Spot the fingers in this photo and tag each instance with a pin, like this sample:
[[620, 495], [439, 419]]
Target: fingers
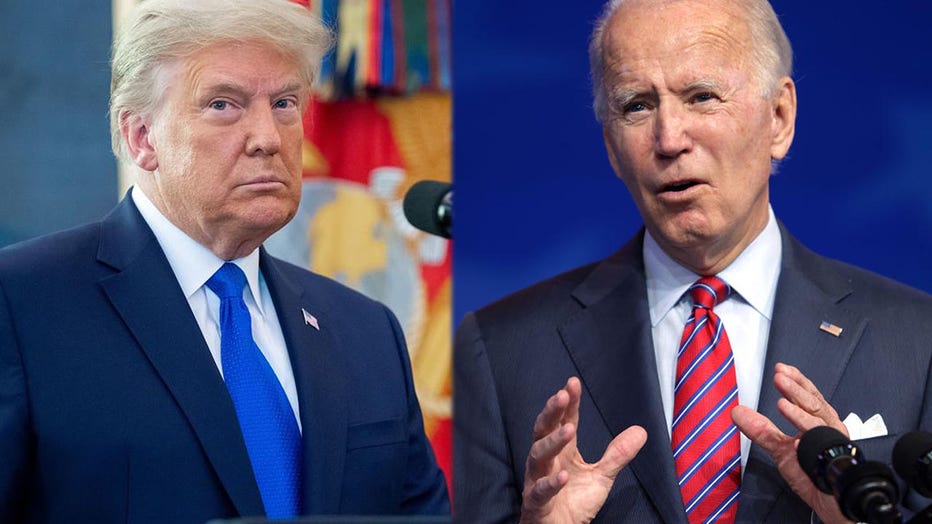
[[803, 403], [759, 429], [805, 407], [799, 390], [799, 417], [551, 416], [622, 450], [561, 407], [554, 428], [540, 459], [574, 389], [543, 490]]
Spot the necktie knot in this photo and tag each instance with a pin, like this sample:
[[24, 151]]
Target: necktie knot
[[228, 281], [708, 292]]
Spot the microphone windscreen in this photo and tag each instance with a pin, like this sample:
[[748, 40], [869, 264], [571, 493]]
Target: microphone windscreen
[[814, 442], [421, 205], [907, 454]]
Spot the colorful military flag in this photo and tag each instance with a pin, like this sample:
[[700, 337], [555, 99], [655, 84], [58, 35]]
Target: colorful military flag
[[381, 122]]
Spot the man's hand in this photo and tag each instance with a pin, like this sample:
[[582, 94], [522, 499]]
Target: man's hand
[[804, 406], [559, 486]]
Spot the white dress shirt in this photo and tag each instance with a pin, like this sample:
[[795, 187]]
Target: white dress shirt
[[746, 314], [193, 265]]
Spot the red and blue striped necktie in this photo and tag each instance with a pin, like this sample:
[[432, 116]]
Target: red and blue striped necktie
[[706, 443]]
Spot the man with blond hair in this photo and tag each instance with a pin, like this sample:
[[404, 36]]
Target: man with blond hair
[[160, 366], [670, 381]]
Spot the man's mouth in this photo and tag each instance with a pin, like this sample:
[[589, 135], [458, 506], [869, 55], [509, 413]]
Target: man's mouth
[[262, 180], [679, 186]]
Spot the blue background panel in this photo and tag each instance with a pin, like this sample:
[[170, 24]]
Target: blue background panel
[[56, 169], [535, 194]]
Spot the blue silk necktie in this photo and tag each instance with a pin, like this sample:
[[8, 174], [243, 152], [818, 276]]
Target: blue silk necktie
[[265, 416]]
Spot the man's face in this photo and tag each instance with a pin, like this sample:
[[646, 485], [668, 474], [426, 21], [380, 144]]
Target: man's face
[[689, 130], [227, 146]]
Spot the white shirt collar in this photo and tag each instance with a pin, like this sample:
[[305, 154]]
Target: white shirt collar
[[753, 275], [192, 263]]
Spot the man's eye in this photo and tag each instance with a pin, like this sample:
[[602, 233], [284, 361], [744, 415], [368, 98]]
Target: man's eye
[[219, 105], [284, 103], [635, 107], [704, 97]]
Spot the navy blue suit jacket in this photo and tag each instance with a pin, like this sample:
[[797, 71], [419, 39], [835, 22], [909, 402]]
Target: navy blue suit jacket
[[112, 409], [593, 322]]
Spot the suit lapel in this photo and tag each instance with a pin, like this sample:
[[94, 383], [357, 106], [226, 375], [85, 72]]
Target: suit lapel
[[146, 295], [806, 296], [320, 380], [611, 344]]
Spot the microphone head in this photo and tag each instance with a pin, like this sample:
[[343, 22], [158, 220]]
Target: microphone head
[[814, 442], [423, 205], [911, 460], [811, 452], [866, 491]]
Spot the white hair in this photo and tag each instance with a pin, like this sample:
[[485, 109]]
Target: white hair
[[770, 51], [163, 31]]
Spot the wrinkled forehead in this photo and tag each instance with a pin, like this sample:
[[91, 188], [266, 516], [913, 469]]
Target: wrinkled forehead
[[253, 63], [232, 68], [676, 30]]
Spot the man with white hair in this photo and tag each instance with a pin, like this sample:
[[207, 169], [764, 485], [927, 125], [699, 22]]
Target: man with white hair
[[686, 364], [160, 366]]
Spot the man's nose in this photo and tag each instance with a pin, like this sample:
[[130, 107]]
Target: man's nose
[[263, 136], [671, 130]]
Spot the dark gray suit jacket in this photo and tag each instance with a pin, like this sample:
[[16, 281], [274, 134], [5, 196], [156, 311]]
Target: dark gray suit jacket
[[593, 322]]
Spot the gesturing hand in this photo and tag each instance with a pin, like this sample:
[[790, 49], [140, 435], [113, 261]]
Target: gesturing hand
[[804, 406], [559, 486]]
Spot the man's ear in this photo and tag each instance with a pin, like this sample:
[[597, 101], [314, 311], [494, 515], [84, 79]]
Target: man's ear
[[137, 135], [784, 118]]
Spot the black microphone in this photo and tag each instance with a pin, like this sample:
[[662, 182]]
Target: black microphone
[[912, 459], [865, 490], [428, 206]]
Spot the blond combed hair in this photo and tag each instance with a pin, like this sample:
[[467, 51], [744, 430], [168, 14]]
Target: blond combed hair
[[161, 32]]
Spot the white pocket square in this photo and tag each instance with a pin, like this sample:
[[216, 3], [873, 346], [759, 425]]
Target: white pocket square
[[870, 428]]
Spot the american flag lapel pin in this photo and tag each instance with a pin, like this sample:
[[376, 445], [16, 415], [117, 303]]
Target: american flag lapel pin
[[310, 320], [830, 328]]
